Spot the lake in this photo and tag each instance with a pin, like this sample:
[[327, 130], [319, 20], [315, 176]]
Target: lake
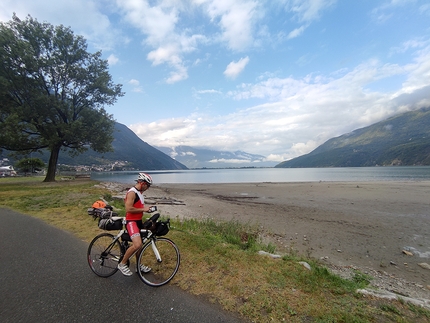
[[258, 175]]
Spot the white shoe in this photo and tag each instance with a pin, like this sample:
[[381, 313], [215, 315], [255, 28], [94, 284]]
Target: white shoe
[[144, 269], [124, 269]]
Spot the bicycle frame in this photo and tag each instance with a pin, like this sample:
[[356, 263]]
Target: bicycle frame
[[145, 240]]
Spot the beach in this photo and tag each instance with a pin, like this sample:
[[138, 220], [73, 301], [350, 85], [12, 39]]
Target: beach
[[380, 228]]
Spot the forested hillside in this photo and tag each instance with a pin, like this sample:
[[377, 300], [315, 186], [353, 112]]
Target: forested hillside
[[127, 147], [400, 140]]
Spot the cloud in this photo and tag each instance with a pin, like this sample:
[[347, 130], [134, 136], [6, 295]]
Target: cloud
[[299, 113], [112, 60], [296, 32], [385, 11], [136, 86], [168, 34], [307, 10], [410, 45], [232, 161], [304, 12], [163, 26], [236, 20], [208, 92], [235, 68], [425, 9], [159, 25]]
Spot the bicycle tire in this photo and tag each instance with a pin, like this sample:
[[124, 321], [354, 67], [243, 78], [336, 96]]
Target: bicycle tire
[[161, 272], [103, 256]]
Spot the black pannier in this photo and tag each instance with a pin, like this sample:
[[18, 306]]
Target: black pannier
[[110, 224], [162, 228]]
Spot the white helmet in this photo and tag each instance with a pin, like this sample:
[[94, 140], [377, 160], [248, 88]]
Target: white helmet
[[144, 177]]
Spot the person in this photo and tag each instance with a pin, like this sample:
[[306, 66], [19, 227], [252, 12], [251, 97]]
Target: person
[[134, 208]]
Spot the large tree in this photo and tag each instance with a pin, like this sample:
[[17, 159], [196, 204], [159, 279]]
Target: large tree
[[52, 92]]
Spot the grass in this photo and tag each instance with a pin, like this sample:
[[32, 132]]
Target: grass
[[220, 262]]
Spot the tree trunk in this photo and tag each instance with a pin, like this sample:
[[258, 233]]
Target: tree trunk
[[52, 166]]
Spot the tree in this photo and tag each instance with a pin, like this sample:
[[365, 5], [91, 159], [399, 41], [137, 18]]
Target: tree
[[52, 92], [29, 165]]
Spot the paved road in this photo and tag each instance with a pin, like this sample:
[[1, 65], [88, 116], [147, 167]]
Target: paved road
[[44, 277]]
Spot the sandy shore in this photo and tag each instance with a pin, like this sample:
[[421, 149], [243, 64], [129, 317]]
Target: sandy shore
[[366, 225]]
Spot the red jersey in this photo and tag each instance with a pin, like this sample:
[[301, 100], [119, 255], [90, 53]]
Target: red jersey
[[138, 203]]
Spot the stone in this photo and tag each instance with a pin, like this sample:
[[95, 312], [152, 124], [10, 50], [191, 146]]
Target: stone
[[264, 253], [305, 264], [424, 265]]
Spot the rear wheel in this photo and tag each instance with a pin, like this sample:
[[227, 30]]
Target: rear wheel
[[104, 255], [163, 269]]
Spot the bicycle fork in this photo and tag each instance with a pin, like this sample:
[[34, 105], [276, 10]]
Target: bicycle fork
[[155, 250]]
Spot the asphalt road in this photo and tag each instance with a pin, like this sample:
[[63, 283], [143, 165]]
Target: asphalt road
[[44, 277]]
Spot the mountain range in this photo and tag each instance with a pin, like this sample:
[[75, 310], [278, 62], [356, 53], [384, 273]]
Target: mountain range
[[401, 140], [207, 158], [131, 152]]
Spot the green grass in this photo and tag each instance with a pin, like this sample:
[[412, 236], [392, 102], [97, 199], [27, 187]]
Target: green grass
[[219, 261]]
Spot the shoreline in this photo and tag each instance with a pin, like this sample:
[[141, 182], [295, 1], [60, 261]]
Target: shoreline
[[381, 228]]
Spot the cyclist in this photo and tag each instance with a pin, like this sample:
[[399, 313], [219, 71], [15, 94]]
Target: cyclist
[[134, 207]]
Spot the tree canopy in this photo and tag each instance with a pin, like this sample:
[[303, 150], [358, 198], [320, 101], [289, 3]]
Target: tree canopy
[[29, 165], [53, 92]]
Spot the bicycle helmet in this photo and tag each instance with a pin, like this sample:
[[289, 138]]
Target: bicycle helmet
[[145, 178]]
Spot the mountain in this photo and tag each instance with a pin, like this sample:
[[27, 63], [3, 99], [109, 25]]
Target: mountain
[[400, 140], [206, 158], [127, 147]]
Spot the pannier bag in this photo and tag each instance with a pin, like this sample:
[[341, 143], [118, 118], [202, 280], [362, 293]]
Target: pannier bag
[[101, 213], [159, 228], [162, 228], [110, 224]]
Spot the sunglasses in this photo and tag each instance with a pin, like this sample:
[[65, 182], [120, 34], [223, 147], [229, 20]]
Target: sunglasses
[[147, 184]]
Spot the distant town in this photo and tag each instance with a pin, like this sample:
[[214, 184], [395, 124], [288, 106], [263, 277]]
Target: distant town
[[6, 169]]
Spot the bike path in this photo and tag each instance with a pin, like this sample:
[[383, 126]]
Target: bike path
[[44, 277]]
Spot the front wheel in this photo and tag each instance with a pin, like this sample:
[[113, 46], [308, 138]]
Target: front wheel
[[162, 256], [104, 255]]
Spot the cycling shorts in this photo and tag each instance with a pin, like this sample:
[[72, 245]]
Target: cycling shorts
[[133, 228]]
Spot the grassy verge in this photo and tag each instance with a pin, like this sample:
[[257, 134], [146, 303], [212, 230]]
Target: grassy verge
[[220, 262]]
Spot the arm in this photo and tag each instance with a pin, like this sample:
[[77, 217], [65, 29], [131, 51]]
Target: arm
[[129, 201]]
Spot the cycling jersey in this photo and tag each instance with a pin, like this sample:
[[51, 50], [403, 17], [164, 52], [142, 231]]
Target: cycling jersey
[[138, 203]]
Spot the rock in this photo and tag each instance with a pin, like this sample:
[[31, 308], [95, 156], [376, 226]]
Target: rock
[[305, 264], [424, 265], [395, 296], [264, 253], [408, 253]]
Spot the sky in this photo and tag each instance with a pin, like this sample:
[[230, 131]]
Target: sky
[[276, 78]]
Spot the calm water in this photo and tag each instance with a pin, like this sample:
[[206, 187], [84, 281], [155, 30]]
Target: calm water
[[258, 175]]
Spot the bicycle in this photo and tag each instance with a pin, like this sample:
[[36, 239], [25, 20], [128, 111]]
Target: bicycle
[[159, 253]]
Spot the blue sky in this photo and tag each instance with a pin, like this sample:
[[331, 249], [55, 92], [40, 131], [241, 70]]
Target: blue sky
[[270, 77]]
